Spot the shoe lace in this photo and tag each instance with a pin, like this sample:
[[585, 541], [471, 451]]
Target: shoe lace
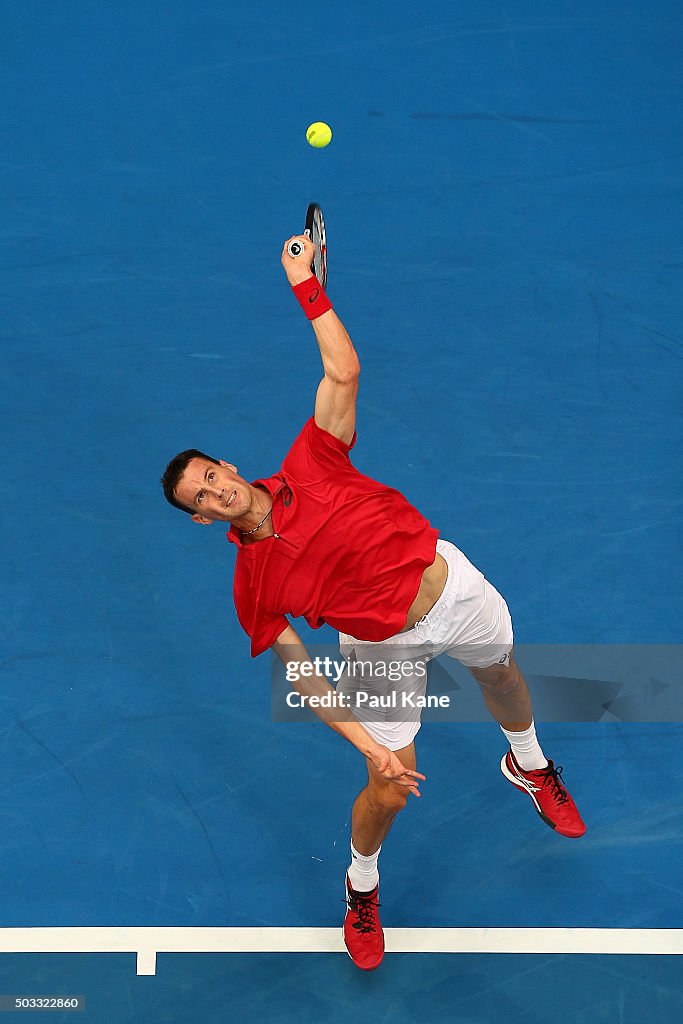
[[553, 778], [365, 908]]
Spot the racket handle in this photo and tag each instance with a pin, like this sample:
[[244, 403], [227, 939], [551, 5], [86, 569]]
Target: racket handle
[[295, 248]]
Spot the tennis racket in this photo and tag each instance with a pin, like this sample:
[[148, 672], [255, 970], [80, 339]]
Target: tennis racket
[[315, 229]]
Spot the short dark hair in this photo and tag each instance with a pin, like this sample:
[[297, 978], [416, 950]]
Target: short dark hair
[[174, 472]]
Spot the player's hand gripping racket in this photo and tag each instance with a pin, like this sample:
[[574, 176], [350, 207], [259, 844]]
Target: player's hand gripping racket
[[315, 230]]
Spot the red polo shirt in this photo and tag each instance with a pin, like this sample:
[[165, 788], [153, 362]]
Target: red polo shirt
[[347, 550]]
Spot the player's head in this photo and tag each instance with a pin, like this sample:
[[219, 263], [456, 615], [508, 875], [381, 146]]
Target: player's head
[[206, 488]]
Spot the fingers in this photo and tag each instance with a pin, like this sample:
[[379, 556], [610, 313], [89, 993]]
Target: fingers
[[390, 768], [411, 781], [407, 778]]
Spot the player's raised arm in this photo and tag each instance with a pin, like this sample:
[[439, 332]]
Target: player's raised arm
[[292, 653], [335, 405]]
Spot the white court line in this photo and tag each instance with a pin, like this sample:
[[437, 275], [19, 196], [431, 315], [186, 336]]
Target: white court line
[[147, 942]]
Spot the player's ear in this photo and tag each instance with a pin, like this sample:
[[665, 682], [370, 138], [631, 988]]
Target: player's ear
[[228, 465], [196, 518]]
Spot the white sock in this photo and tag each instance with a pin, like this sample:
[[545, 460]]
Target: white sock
[[363, 873], [526, 749]]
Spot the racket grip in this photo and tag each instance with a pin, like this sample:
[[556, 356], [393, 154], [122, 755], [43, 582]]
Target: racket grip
[[295, 248]]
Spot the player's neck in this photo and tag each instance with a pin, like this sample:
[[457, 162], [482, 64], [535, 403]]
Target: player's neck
[[257, 523]]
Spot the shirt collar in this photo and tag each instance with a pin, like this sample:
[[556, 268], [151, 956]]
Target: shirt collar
[[273, 484]]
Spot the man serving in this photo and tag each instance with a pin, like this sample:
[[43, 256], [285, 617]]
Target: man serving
[[320, 540]]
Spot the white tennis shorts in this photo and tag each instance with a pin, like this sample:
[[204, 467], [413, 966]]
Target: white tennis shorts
[[470, 622]]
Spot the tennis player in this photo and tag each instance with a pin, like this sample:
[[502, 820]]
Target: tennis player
[[320, 540]]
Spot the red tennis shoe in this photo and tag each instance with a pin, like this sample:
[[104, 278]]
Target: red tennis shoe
[[551, 799], [363, 933]]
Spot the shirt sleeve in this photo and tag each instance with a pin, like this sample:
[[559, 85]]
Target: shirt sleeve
[[316, 452], [261, 626]]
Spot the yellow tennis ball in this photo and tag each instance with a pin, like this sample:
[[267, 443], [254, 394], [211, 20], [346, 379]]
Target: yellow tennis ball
[[318, 134]]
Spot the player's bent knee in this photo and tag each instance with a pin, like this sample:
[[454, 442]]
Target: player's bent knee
[[390, 798], [500, 679], [395, 802]]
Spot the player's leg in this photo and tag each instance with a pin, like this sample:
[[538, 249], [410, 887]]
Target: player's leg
[[477, 631], [388, 721], [506, 695], [373, 669], [377, 805], [373, 813], [525, 765]]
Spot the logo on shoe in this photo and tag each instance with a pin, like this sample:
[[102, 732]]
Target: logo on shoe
[[525, 782]]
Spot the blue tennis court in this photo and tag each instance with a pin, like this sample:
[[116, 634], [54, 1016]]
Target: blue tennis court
[[503, 205]]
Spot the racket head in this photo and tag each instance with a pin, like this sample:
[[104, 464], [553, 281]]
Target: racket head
[[315, 229]]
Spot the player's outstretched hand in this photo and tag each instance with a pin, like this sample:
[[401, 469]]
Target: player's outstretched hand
[[389, 766], [298, 268]]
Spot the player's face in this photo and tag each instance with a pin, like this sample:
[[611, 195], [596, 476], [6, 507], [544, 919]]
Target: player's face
[[213, 492]]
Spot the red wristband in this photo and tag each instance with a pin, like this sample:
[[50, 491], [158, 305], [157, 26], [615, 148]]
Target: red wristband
[[312, 298]]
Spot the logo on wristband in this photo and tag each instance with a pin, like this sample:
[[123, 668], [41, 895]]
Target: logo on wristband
[[314, 296]]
